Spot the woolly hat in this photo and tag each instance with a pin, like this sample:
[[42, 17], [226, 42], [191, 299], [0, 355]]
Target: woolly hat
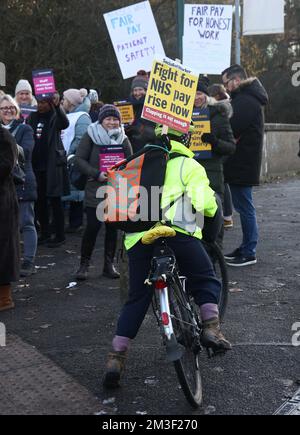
[[203, 84], [23, 85], [108, 110], [140, 81], [75, 96]]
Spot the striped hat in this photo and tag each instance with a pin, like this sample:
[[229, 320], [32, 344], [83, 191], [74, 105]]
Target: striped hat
[[109, 110]]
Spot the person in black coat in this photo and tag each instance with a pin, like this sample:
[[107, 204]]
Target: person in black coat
[[9, 220], [141, 131], [50, 167], [242, 170], [27, 193]]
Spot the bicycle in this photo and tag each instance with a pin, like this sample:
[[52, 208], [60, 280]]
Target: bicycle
[[177, 315]]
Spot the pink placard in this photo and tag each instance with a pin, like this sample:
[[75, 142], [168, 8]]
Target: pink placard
[[44, 83], [110, 156]]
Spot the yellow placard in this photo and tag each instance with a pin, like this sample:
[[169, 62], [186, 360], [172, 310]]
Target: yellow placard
[[170, 95], [202, 125], [127, 113]]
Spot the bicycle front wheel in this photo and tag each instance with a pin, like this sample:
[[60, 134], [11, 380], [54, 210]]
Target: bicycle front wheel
[[187, 367]]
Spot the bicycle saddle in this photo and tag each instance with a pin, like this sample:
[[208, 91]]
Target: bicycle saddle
[[156, 233]]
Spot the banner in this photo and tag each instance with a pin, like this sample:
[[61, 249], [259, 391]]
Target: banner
[[126, 110], [207, 37], [171, 94], [201, 121], [135, 37], [263, 17], [44, 84]]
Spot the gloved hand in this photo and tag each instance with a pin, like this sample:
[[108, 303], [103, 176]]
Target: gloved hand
[[102, 177], [209, 138]]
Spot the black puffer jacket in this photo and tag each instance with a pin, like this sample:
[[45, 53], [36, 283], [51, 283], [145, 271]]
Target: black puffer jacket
[[220, 114], [243, 168]]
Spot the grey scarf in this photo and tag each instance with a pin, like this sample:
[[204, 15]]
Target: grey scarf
[[100, 136]]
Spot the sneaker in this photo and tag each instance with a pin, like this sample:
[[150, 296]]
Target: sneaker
[[241, 261], [233, 255], [212, 337], [114, 369], [27, 269], [228, 223], [56, 243]]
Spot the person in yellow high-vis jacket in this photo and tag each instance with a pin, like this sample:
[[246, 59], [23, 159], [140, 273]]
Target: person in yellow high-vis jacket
[[186, 189]]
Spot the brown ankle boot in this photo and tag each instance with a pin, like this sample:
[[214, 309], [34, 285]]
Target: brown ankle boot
[[6, 302], [212, 336], [114, 369]]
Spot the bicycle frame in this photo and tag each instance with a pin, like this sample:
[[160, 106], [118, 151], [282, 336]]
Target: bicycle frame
[[163, 269]]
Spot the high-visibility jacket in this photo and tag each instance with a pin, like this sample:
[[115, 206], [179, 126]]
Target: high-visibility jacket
[[186, 189]]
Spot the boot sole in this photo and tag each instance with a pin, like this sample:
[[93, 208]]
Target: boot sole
[[7, 307]]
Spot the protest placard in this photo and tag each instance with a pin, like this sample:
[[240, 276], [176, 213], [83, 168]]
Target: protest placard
[[126, 110], [44, 83], [135, 37], [207, 37], [27, 110], [171, 94], [263, 17], [201, 121], [110, 156]]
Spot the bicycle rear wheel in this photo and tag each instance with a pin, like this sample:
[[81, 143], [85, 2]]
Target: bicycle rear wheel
[[187, 367], [220, 268]]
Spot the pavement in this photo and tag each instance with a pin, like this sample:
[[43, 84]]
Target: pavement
[[58, 336]]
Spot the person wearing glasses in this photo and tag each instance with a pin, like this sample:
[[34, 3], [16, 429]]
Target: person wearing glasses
[[242, 170], [27, 193]]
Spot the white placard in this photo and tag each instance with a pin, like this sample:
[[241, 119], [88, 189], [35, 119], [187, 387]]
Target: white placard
[[263, 17], [135, 37], [207, 37]]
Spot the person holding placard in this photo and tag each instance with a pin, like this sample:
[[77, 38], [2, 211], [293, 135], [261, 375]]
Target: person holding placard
[[141, 131], [49, 163], [104, 145], [221, 137]]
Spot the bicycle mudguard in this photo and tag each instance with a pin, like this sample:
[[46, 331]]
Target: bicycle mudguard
[[174, 350]]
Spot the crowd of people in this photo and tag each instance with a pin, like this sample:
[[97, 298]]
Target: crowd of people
[[75, 128]]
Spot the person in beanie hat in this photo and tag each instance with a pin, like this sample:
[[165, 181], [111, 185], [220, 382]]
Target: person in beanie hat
[[23, 94], [109, 111], [106, 132], [141, 131]]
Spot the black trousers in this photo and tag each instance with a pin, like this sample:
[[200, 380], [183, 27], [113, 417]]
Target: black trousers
[[44, 206], [93, 227]]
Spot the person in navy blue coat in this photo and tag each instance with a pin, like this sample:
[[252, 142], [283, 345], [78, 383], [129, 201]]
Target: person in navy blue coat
[[27, 192]]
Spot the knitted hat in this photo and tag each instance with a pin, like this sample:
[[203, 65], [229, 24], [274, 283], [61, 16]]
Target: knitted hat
[[140, 81], [203, 84], [23, 85], [75, 96], [109, 110]]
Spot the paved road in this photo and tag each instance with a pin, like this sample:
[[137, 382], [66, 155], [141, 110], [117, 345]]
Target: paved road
[[72, 329]]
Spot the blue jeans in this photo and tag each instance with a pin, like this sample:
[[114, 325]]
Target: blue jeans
[[243, 203], [28, 230], [193, 263]]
